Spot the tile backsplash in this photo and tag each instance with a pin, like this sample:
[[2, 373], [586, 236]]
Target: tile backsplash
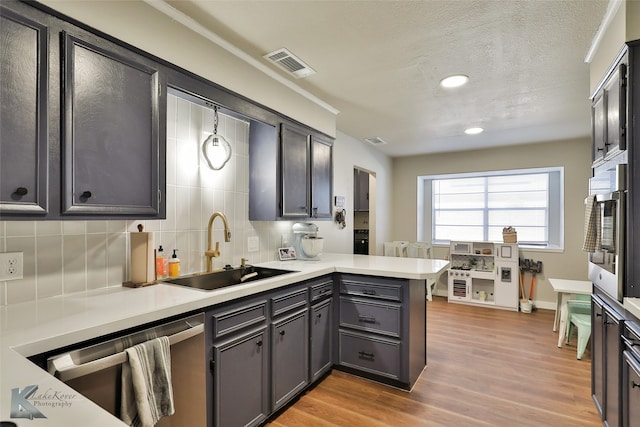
[[62, 257]]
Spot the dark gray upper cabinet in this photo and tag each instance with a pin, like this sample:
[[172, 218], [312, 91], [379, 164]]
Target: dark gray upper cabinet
[[289, 178], [82, 121], [111, 130], [609, 113], [361, 182], [24, 66], [294, 144], [321, 178]]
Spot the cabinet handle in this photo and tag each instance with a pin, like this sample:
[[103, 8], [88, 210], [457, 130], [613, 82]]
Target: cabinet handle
[[282, 333], [259, 343], [21, 191], [366, 319], [86, 195], [598, 314], [365, 354], [319, 315], [634, 384], [369, 292]]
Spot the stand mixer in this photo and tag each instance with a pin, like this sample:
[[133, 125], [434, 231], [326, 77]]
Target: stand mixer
[[307, 243]]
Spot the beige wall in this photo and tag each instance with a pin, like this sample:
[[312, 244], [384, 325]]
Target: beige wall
[[573, 155], [633, 19], [624, 27], [348, 153], [142, 26]]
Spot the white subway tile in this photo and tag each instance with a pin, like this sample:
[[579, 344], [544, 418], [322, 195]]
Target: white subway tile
[[20, 229], [74, 263], [49, 266]]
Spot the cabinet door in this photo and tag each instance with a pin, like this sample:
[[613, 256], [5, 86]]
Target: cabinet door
[[361, 180], [112, 131], [240, 380], [597, 353], [321, 182], [615, 90], [613, 325], [631, 391], [321, 343], [23, 115], [295, 166], [290, 357], [598, 122]]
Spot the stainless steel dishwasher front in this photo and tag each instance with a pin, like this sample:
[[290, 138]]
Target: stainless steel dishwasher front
[[95, 371]]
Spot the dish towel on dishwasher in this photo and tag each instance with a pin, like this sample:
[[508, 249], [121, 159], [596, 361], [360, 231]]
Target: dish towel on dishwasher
[[591, 225], [147, 394]]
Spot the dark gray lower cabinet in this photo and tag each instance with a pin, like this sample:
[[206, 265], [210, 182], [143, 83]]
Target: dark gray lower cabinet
[[382, 328], [631, 390], [607, 327], [631, 375], [290, 357], [240, 379], [266, 349], [321, 338], [238, 338]]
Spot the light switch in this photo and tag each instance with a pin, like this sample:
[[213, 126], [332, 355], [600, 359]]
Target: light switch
[[253, 244]]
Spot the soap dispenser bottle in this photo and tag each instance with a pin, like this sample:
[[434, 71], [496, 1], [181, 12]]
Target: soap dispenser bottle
[[162, 264], [174, 265]]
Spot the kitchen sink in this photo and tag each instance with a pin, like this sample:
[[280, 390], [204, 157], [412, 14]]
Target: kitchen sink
[[224, 278]]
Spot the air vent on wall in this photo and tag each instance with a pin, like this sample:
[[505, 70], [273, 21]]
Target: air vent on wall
[[375, 140], [290, 63]]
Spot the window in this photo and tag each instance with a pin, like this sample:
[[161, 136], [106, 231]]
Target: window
[[477, 206]]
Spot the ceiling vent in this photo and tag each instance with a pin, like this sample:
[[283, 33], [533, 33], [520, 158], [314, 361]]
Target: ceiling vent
[[290, 63], [375, 140]]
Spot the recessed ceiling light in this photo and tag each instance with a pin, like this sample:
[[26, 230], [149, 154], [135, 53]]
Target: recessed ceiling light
[[454, 81], [473, 131]]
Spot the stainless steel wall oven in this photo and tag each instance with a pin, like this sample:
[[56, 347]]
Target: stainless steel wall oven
[[607, 260]]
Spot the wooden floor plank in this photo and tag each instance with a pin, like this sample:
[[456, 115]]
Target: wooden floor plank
[[485, 367]]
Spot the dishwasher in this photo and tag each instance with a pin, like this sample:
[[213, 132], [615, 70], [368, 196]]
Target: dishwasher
[[95, 371]]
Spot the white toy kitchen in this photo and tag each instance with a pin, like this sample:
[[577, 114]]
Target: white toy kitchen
[[484, 273]]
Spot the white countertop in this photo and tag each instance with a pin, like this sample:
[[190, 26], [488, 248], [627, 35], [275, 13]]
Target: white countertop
[[39, 326], [632, 305]]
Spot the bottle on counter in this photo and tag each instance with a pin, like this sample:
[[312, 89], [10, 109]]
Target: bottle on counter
[[174, 265], [162, 264]]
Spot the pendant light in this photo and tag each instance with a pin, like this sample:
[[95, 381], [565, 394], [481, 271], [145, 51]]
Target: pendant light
[[216, 149]]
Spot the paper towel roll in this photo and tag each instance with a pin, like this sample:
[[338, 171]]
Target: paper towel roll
[[142, 258]]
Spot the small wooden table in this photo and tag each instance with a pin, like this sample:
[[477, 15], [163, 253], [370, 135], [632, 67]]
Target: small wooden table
[[566, 286]]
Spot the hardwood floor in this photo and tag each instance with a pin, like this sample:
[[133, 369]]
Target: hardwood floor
[[485, 367]]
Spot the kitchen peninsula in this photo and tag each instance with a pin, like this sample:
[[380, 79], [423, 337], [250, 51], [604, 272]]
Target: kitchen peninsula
[[41, 326]]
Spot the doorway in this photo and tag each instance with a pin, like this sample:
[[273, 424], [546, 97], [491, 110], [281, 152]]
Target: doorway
[[363, 212]]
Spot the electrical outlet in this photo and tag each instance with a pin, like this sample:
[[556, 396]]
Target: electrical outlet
[[10, 266]]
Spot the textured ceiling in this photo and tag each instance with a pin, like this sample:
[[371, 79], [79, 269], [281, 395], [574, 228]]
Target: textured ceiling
[[380, 63]]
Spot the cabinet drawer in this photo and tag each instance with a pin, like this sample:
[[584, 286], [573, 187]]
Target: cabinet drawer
[[321, 290], [631, 388], [372, 316], [238, 317], [388, 289], [631, 338], [290, 300], [371, 354]]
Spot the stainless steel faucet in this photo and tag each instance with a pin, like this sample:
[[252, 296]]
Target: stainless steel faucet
[[211, 253]]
